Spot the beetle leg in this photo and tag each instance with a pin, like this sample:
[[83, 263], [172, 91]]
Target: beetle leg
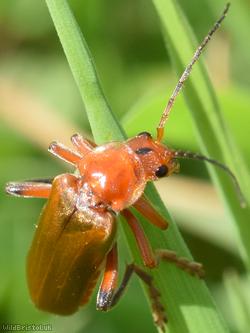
[[151, 259], [108, 295], [109, 281], [146, 209], [82, 145], [64, 153], [145, 248], [187, 265], [29, 189]]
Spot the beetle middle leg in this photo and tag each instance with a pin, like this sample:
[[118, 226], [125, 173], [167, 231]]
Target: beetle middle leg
[[109, 294], [151, 259]]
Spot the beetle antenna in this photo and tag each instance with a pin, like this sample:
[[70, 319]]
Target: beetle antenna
[[195, 156], [186, 73]]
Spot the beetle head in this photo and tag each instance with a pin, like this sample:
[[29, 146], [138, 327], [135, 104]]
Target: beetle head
[[157, 159]]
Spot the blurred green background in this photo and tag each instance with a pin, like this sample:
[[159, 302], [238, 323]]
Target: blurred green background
[[39, 103]]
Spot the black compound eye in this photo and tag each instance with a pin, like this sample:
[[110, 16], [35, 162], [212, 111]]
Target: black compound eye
[[146, 134], [143, 151], [161, 171]]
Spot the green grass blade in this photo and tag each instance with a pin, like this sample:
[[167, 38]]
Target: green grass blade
[[238, 297], [84, 72], [213, 136], [189, 305]]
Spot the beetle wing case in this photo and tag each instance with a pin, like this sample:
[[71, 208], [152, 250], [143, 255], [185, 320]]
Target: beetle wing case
[[68, 250]]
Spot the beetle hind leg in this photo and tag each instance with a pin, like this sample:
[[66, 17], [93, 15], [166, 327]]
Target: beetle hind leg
[[30, 189], [109, 294]]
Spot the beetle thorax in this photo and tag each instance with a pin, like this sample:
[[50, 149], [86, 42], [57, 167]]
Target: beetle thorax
[[113, 176]]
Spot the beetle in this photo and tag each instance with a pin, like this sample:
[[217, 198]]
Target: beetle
[[75, 240]]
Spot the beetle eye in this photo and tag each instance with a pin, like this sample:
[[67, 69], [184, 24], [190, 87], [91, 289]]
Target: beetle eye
[[146, 134], [161, 171], [143, 151]]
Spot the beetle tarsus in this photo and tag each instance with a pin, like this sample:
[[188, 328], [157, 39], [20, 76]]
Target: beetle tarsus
[[187, 265]]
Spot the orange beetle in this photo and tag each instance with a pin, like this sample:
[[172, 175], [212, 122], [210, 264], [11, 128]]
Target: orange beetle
[[76, 235]]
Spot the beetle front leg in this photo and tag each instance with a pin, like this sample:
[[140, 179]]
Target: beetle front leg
[[30, 189], [151, 259], [82, 145], [147, 210], [187, 265], [64, 153], [109, 295]]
